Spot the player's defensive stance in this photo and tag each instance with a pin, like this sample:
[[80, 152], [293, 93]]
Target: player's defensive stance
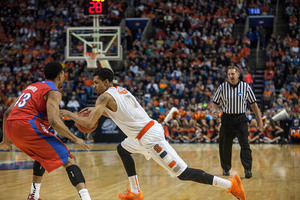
[[145, 136], [26, 125]]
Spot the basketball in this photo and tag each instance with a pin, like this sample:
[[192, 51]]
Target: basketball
[[82, 128]]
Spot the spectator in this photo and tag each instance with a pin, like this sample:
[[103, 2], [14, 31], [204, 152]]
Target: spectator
[[289, 10], [265, 9], [153, 87], [254, 134], [248, 79], [73, 104], [252, 35], [262, 37], [273, 132], [269, 73]]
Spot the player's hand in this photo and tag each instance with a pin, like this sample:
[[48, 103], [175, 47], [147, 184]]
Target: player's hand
[[81, 143], [64, 113], [87, 110], [6, 146]]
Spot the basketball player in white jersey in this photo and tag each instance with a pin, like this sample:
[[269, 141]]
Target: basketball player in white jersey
[[145, 136]]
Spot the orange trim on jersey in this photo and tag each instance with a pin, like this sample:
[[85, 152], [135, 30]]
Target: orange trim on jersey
[[172, 164], [145, 129]]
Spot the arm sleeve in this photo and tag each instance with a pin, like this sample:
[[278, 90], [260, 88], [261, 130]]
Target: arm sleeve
[[251, 97], [217, 96]]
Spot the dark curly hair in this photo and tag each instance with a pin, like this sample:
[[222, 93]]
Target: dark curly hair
[[52, 70], [104, 73]]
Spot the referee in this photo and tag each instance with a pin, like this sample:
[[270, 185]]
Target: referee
[[232, 97]]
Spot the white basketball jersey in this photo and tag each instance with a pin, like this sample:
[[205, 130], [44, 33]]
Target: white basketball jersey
[[130, 117]]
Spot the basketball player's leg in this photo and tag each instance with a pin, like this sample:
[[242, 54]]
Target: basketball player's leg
[[125, 149], [20, 133], [49, 153], [162, 152], [38, 172], [166, 156], [76, 177], [127, 160]]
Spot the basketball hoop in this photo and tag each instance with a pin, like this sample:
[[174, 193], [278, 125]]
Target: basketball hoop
[[91, 59]]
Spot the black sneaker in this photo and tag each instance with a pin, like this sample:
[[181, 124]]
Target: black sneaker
[[248, 173], [226, 173]]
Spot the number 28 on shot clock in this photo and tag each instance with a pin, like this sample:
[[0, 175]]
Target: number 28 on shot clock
[[95, 7]]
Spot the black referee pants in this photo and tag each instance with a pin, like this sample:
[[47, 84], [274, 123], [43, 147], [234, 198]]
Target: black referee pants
[[234, 125]]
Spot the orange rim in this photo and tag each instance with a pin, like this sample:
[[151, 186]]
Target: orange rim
[[91, 54]]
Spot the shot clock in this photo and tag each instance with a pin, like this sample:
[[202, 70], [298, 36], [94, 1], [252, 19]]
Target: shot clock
[[95, 7]]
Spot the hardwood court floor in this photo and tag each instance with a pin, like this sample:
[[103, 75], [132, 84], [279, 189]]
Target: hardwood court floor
[[276, 175]]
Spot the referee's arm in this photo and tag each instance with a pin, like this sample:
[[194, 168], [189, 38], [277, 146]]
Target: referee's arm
[[216, 102], [252, 100], [257, 113], [215, 110]]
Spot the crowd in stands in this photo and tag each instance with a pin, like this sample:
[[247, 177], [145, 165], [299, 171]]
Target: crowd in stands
[[282, 74], [180, 65], [262, 5], [32, 33], [189, 52]]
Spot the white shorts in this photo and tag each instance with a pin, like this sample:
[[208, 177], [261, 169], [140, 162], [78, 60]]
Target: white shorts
[[153, 145]]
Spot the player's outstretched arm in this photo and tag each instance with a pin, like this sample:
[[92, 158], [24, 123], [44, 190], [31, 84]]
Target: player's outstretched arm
[[95, 113], [53, 99]]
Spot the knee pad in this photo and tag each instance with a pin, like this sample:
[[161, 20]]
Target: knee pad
[[196, 175], [75, 175], [38, 169], [122, 152]]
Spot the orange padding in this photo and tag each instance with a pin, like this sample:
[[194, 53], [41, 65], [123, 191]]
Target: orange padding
[[172, 164], [145, 129]]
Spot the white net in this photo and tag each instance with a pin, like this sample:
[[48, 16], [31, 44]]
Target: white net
[[91, 59]]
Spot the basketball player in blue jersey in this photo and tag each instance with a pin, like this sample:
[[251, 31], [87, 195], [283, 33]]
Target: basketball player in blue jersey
[[145, 136]]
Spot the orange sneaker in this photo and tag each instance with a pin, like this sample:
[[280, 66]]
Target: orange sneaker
[[237, 189], [128, 195]]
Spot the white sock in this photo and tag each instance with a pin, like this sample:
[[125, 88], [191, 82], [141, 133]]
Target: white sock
[[220, 182], [84, 194], [35, 190], [134, 184]]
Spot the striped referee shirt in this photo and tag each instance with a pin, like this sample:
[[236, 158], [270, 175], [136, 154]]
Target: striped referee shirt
[[234, 97]]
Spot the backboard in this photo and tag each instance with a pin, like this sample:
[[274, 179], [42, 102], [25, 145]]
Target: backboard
[[106, 41]]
